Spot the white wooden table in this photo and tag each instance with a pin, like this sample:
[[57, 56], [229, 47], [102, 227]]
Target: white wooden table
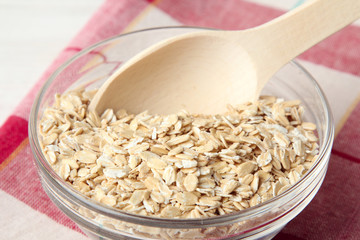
[[32, 33]]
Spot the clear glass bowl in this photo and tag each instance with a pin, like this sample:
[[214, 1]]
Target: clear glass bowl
[[92, 66]]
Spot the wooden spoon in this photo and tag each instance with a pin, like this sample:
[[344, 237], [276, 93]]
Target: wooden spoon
[[204, 71]]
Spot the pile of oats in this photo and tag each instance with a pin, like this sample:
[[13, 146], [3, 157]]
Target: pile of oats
[[181, 165]]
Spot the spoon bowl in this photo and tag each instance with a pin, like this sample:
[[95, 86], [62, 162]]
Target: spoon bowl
[[169, 74]]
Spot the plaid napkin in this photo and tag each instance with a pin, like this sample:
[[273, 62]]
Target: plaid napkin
[[27, 213]]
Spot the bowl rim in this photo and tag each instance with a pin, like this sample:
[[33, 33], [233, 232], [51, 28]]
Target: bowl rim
[[76, 197]]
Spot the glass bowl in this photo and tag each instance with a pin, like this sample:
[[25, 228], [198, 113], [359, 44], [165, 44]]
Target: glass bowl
[[92, 66]]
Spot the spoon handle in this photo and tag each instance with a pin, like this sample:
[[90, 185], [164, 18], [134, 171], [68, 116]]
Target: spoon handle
[[296, 31]]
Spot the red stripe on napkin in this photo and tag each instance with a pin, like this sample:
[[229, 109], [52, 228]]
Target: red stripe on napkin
[[341, 51], [12, 133], [111, 19], [285, 236], [334, 212], [234, 14]]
